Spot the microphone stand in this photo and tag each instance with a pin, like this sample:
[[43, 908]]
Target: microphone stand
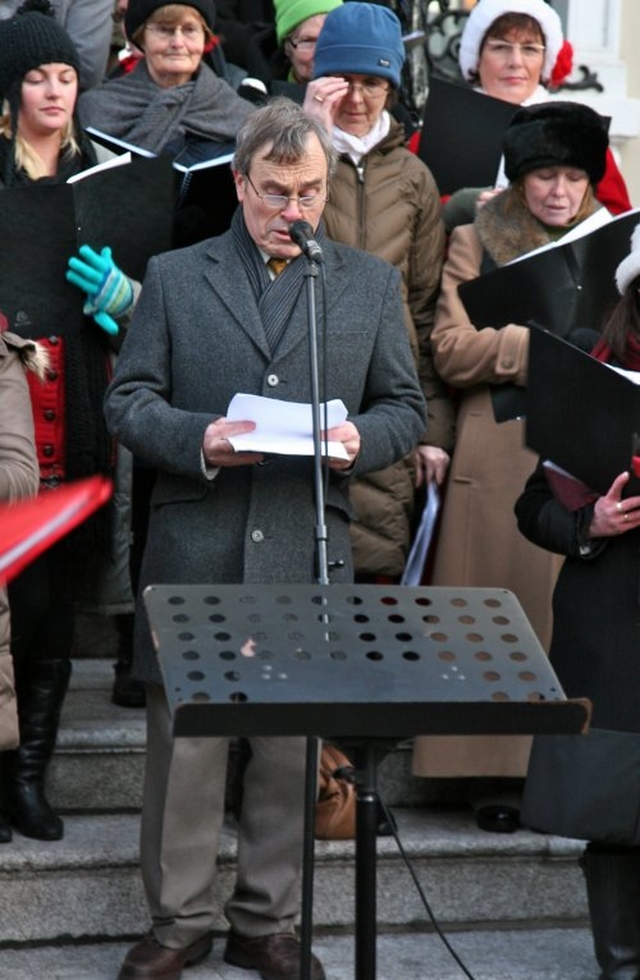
[[322, 576]]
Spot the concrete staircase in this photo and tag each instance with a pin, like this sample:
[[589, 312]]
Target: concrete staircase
[[87, 886]]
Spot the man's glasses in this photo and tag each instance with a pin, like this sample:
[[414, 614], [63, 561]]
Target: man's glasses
[[505, 49], [190, 32], [278, 202]]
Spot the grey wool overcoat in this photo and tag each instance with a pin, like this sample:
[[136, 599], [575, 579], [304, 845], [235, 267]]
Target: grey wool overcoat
[[196, 339]]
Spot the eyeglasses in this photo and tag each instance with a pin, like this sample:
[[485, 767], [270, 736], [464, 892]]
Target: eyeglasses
[[280, 201], [371, 88], [190, 32], [304, 44], [505, 49]]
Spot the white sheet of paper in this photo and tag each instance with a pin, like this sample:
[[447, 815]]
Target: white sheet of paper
[[414, 568], [283, 427]]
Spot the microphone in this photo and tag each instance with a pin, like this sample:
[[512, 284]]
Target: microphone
[[302, 234]]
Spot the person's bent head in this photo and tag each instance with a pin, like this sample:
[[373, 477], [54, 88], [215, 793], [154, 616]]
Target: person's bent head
[[172, 36], [509, 47], [554, 156], [39, 69], [362, 43], [298, 26], [281, 168]]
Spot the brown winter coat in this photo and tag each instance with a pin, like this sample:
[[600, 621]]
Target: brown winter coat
[[19, 477], [390, 206], [479, 542]]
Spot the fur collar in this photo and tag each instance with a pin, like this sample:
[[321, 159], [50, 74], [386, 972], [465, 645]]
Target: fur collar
[[507, 229]]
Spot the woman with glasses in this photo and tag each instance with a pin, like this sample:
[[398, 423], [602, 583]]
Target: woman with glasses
[[171, 95], [383, 199], [515, 50], [555, 155]]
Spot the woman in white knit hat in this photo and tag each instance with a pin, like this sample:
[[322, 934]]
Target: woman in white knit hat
[[515, 50], [589, 787]]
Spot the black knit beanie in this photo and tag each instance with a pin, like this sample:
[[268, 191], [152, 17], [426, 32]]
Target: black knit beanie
[[30, 38], [556, 134], [139, 11]]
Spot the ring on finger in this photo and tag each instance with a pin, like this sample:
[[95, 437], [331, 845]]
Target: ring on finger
[[619, 506], [318, 98]]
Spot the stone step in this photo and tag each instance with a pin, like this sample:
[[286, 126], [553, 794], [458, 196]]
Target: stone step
[[99, 760], [521, 954], [88, 885]]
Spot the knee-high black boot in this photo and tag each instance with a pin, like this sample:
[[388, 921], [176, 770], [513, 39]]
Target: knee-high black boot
[[613, 892], [5, 826], [39, 709]]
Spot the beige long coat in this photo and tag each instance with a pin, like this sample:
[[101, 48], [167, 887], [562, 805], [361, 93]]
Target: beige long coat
[[479, 543], [19, 477]]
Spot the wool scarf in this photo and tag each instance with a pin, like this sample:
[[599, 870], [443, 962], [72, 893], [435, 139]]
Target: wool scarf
[[276, 298]]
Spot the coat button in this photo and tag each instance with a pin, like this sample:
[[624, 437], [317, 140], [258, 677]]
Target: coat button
[[53, 340], [49, 414], [273, 380], [48, 450], [52, 375], [507, 362], [257, 536]]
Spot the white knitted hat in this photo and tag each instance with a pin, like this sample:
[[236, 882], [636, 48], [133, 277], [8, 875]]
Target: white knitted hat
[[482, 17], [629, 268]]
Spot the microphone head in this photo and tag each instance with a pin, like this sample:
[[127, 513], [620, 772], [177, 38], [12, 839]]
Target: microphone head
[[300, 231]]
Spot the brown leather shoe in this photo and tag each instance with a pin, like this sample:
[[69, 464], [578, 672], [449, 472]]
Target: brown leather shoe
[[148, 960], [275, 957]]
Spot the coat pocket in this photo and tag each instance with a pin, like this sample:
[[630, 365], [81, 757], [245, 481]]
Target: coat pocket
[[585, 786]]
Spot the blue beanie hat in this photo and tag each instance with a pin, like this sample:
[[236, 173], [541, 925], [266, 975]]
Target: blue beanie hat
[[360, 39]]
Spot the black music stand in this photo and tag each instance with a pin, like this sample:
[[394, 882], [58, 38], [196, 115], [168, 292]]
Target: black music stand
[[368, 664]]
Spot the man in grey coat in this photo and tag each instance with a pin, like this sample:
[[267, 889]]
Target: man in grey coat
[[214, 320]]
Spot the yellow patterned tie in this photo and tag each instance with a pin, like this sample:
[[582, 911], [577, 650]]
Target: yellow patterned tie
[[277, 265]]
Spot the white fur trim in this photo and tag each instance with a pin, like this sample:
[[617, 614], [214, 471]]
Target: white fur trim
[[629, 268], [482, 17]]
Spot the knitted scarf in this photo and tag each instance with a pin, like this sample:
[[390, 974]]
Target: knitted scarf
[[137, 110], [276, 298]]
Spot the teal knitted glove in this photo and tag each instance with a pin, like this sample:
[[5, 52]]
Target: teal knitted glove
[[109, 291]]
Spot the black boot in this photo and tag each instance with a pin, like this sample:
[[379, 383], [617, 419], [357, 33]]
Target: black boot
[[5, 826], [613, 892], [127, 691], [39, 711]]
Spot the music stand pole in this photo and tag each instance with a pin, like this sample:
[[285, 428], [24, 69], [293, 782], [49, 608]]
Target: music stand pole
[[322, 573]]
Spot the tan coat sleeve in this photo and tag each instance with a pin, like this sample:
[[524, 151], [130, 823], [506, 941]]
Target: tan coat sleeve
[[463, 355]]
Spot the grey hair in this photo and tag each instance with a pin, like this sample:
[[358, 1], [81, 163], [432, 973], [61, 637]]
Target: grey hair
[[285, 127]]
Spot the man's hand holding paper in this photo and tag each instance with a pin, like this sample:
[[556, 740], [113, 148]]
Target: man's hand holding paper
[[286, 428]]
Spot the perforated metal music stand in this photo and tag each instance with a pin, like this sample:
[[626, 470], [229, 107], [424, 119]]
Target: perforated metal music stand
[[359, 662]]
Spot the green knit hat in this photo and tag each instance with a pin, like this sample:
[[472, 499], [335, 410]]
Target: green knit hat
[[290, 13]]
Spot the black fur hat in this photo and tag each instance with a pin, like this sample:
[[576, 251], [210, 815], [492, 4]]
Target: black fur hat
[[556, 134], [30, 38]]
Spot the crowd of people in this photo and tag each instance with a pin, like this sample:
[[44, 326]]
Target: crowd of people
[[307, 96]]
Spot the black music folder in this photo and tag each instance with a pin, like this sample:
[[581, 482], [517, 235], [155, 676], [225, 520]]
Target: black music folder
[[461, 138], [126, 207], [204, 195], [561, 287], [581, 414], [565, 287]]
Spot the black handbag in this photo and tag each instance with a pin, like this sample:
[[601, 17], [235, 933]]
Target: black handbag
[[585, 786]]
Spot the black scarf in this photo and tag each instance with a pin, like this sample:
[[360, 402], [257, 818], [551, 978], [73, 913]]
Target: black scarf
[[276, 298]]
